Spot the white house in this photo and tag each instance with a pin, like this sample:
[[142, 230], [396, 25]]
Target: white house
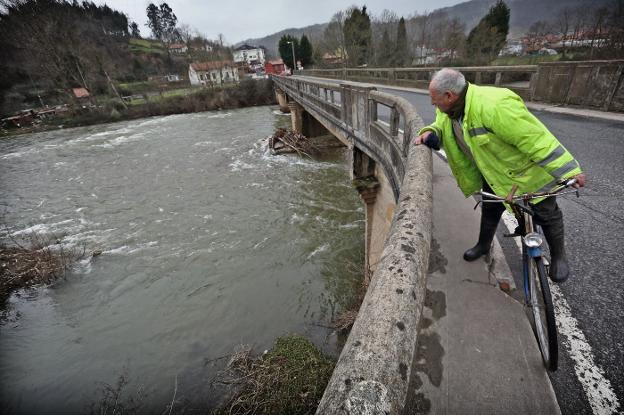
[[213, 73], [178, 48], [251, 55]]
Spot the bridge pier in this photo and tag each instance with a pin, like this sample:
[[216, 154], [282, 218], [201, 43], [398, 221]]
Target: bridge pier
[[296, 116], [367, 186], [376, 193], [282, 100]]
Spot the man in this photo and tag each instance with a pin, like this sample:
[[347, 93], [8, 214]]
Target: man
[[492, 142]]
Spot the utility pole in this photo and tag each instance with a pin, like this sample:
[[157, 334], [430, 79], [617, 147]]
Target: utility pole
[[293, 53]]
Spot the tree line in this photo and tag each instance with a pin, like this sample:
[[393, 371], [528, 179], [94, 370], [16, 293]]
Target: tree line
[[356, 38], [302, 49], [359, 39], [597, 33]]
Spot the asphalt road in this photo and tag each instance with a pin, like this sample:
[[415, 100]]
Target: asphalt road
[[594, 226]]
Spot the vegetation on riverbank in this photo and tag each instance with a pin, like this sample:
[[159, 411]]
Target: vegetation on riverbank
[[246, 94], [290, 378], [41, 260]]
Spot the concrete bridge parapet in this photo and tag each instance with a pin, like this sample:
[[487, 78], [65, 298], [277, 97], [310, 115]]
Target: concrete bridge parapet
[[394, 180]]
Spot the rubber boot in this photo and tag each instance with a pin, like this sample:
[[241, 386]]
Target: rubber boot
[[559, 270], [489, 223]]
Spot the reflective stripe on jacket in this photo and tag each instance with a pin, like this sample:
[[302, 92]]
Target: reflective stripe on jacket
[[509, 145]]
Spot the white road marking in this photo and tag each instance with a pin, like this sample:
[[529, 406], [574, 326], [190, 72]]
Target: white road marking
[[600, 395]]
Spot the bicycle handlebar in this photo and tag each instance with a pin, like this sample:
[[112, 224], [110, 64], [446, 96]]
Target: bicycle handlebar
[[562, 185]]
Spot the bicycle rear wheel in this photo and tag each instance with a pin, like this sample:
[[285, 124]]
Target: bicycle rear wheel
[[543, 314]]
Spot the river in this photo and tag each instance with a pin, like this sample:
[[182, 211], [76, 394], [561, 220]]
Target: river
[[207, 243]]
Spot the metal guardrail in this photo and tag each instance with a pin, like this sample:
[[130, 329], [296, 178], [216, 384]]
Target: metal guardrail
[[374, 369]]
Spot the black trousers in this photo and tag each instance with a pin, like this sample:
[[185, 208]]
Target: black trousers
[[547, 212]]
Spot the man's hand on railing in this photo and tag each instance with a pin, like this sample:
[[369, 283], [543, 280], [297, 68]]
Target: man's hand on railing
[[428, 138], [422, 138]]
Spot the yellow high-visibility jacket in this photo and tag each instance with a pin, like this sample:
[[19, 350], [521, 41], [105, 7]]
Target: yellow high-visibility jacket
[[508, 144]]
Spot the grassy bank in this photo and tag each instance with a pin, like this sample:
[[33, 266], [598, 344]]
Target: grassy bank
[[246, 94], [290, 378]]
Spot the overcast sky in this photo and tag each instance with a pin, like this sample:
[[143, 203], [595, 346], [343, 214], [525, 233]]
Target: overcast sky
[[239, 20]]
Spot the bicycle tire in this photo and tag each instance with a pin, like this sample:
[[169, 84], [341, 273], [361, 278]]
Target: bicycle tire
[[542, 311]]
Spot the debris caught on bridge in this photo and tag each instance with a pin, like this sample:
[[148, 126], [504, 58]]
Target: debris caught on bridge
[[287, 141]]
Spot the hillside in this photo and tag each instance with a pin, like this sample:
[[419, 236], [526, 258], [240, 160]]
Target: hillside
[[523, 14]]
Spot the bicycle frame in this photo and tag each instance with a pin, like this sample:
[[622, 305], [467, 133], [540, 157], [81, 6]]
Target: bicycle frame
[[527, 254], [536, 288]]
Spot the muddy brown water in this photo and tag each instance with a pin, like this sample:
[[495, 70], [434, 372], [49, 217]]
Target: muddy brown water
[[208, 243]]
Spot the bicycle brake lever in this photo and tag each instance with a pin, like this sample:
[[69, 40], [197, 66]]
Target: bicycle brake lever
[[478, 202]]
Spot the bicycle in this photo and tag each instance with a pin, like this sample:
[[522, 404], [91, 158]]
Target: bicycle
[[534, 267]]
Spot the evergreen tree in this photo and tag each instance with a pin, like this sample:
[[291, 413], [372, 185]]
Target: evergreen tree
[[134, 30], [305, 51], [153, 21], [168, 21], [385, 56], [162, 21], [487, 38], [401, 54], [358, 36], [286, 49]]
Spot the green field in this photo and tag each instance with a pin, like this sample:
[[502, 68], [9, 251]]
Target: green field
[[147, 46]]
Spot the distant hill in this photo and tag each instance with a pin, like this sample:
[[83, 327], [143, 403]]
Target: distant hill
[[523, 14]]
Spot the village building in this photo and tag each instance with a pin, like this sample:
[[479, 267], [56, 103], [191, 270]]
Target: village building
[[213, 73], [331, 59], [276, 67], [249, 55], [178, 48], [201, 45], [81, 96]]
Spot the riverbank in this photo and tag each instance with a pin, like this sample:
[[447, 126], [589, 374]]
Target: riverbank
[[248, 93]]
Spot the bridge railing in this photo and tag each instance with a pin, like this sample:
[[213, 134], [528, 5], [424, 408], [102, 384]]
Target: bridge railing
[[374, 370], [521, 78]]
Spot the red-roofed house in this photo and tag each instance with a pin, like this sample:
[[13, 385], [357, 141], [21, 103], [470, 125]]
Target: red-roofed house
[[275, 67], [81, 93], [81, 96], [212, 73]]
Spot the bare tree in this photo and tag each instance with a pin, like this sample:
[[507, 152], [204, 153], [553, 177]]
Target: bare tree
[[535, 35], [598, 21], [384, 28], [454, 38], [579, 19], [333, 36], [186, 33], [564, 21]]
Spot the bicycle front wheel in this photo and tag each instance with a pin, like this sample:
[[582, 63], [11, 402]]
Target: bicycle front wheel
[[542, 312]]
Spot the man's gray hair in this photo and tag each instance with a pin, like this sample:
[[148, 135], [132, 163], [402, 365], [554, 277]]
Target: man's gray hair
[[447, 79]]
